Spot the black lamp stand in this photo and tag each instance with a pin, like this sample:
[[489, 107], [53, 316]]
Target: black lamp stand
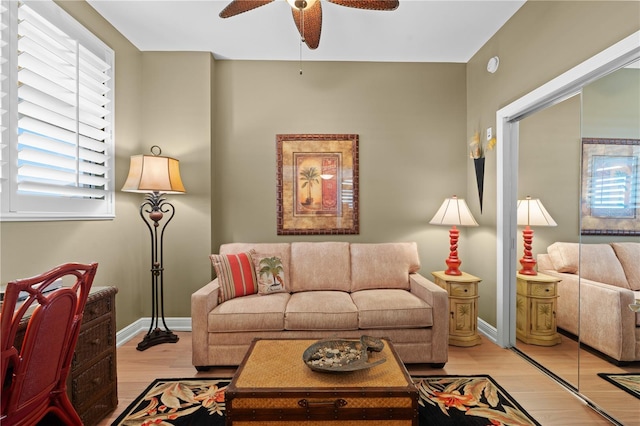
[[156, 206]]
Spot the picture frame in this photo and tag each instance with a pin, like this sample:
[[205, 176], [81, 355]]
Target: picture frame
[[317, 184], [610, 199]]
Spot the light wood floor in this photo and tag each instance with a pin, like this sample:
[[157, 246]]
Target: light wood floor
[[543, 398], [563, 359]]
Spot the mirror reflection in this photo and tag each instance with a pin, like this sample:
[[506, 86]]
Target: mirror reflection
[[581, 158], [610, 264], [548, 166]]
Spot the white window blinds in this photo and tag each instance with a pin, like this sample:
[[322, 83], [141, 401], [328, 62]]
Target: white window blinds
[[57, 86]]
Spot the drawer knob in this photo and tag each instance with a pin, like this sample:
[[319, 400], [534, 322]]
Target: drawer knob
[[95, 342], [97, 381]]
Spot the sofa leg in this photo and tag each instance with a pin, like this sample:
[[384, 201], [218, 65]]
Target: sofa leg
[[202, 368], [437, 365]]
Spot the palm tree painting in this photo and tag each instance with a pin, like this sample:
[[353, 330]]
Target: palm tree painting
[[271, 267], [309, 176]]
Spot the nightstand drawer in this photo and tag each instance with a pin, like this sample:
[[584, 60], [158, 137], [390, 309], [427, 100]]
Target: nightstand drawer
[[542, 289], [463, 290]]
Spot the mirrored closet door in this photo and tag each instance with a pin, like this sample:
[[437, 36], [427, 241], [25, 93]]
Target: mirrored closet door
[[575, 143]]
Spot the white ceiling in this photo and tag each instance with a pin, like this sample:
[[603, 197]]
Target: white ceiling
[[418, 31]]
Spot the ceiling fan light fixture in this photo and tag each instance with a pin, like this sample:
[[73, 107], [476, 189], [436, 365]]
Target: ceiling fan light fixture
[[301, 4]]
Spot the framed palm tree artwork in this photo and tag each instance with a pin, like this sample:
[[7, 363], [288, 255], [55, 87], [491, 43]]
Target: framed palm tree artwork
[[610, 201], [317, 184]]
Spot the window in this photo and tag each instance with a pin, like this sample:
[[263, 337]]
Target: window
[[56, 119]]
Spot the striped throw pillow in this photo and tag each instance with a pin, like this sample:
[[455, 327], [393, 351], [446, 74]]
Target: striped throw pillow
[[236, 275]]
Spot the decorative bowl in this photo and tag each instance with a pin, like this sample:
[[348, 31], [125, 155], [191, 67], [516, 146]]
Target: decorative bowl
[[336, 355], [635, 307]]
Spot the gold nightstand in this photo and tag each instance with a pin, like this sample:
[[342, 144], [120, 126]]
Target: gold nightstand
[[536, 309], [463, 307]]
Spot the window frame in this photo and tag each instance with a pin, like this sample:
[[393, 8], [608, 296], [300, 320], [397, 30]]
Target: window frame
[[15, 206]]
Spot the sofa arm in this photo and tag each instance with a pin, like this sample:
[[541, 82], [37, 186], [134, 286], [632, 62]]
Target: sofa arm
[[606, 322], [202, 302], [438, 298]]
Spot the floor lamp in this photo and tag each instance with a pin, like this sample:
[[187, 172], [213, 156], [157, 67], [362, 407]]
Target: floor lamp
[[155, 176], [455, 212], [531, 212]]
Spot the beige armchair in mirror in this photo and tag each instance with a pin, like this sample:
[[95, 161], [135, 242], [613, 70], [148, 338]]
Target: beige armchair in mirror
[[598, 289]]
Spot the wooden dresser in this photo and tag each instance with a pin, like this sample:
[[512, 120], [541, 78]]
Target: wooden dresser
[[92, 383]]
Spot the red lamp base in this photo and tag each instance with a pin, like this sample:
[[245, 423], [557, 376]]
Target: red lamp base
[[528, 262], [452, 261]]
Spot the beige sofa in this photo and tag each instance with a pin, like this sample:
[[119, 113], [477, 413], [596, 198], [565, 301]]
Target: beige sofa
[[605, 279], [331, 289]]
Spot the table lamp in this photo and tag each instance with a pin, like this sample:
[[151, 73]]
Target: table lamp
[[531, 212], [155, 176], [455, 212]]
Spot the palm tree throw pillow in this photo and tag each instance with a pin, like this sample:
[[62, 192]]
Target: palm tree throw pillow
[[269, 272]]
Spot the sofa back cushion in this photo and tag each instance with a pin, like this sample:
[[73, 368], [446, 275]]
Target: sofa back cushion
[[565, 257], [629, 256], [386, 265], [262, 250], [320, 266], [595, 262]]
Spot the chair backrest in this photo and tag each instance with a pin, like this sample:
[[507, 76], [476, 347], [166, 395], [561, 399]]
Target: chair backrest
[[40, 364]]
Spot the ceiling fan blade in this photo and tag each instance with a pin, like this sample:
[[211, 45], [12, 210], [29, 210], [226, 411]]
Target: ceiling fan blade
[[237, 7], [312, 24], [368, 4]]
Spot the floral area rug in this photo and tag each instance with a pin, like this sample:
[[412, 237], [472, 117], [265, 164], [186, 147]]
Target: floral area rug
[[629, 382], [444, 400]]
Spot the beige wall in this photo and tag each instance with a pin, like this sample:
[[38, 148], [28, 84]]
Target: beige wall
[[611, 106], [161, 99], [412, 144], [29, 248], [176, 116], [541, 41], [220, 118]]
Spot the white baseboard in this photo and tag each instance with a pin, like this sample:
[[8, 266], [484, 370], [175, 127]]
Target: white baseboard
[[143, 324], [489, 331]]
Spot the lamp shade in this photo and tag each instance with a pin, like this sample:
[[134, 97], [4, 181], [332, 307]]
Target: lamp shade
[[154, 173], [531, 212], [454, 211]]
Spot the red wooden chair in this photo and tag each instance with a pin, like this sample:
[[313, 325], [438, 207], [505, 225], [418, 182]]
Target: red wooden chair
[[34, 375]]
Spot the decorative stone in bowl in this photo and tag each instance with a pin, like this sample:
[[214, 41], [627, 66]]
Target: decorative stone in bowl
[[342, 355]]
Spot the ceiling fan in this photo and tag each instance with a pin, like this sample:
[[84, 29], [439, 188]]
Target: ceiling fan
[[307, 14]]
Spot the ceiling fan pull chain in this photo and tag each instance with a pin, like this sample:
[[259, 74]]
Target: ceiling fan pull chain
[[301, 36]]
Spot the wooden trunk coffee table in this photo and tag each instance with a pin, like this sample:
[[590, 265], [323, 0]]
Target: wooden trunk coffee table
[[273, 386]]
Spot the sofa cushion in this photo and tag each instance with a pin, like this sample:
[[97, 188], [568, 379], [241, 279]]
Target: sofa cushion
[[270, 273], [236, 275], [385, 265], [565, 256], [391, 308], [249, 313], [629, 256], [321, 310], [320, 266], [596, 262]]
